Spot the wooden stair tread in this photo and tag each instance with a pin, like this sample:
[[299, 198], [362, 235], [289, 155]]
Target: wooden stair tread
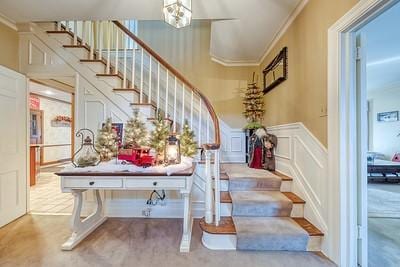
[[126, 90], [223, 176], [94, 61], [308, 227], [61, 32], [144, 104], [225, 227], [225, 197], [109, 75], [77, 46], [284, 177], [294, 198]]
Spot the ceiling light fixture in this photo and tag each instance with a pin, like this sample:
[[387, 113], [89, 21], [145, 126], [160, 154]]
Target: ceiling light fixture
[[178, 13]]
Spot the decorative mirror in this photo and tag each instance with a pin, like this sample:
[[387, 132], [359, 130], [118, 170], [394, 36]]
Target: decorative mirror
[[276, 72]]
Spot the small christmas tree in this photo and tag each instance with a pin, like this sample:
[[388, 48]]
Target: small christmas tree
[[253, 105], [159, 135], [135, 132], [188, 145], [107, 141]]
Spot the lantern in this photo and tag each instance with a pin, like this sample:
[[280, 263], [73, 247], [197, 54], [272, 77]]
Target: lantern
[[172, 151], [178, 13], [86, 155]]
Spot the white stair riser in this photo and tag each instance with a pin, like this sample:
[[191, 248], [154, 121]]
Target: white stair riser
[[79, 52], [96, 67], [47, 26], [228, 242], [112, 81], [297, 211], [224, 185], [286, 186], [62, 38]]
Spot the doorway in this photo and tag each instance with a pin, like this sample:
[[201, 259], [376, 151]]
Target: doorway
[[51, 135]]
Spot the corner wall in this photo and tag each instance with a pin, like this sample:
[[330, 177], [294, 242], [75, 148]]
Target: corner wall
[[9, 54], [303, 97]]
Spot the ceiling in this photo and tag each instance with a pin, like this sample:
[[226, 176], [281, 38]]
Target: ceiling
[[241, 31], [47, 91], [382, 47]]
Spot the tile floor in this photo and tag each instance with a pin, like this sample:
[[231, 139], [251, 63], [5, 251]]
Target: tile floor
[[46, 196]]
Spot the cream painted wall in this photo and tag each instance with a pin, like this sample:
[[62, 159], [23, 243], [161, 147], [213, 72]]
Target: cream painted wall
[[9, 47], [303, 97], [384, 134], [188, 50]]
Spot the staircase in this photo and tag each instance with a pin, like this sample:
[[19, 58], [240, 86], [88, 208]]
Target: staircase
[[244, 209], [260, 213]]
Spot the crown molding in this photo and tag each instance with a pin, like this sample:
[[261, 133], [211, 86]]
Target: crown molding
[[8, 22], [282, 30]]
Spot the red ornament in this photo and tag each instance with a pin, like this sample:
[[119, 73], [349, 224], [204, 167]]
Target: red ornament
[[139, 156]]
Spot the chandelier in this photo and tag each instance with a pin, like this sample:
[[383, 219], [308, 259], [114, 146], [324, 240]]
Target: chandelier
[[178, 13]]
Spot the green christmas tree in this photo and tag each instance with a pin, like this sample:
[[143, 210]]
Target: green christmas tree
[[253, 105], [159, 135], [135, 132], [107, 141], [188, 145]]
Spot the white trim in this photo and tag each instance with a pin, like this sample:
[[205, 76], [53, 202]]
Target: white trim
[[342, 139], [8, 22], [278, 35]]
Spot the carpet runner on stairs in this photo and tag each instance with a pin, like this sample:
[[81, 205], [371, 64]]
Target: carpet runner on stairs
[[261, 213]]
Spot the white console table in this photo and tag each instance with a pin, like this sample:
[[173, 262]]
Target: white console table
[[79, 182]]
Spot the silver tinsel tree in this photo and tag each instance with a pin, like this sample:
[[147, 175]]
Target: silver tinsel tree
[[107, 141], [135, 132]]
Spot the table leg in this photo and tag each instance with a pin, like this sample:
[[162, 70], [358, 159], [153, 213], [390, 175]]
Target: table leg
[[82, 228], [187, 223]]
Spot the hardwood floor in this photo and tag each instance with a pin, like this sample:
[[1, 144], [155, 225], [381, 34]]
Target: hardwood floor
[[35, 240]]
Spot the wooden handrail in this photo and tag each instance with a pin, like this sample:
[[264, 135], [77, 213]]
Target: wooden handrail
[[177, 74]]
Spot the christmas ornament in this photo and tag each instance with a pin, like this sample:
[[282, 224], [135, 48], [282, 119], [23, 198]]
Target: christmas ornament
[[107, 141], [135, 132], [188, 145], [86, 155], [253, 102], [158, 137]]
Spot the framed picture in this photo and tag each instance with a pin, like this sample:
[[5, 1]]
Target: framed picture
[[276, 72], [388, 116], [118, 128]]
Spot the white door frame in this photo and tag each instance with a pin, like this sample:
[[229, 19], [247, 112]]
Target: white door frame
[[342, 136]]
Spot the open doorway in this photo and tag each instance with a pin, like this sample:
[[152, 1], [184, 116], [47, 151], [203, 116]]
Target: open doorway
[[51, 123], [381, 47]]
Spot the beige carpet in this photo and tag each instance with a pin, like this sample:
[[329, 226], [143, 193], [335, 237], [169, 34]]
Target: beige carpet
[[35, 240]]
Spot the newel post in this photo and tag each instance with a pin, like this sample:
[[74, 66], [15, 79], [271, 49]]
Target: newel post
[[208, 190]]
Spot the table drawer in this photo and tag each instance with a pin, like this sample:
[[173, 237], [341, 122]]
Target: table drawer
[[154, 183], [92, 183]]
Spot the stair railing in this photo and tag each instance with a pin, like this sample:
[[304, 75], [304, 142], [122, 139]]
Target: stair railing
[[140, 68]]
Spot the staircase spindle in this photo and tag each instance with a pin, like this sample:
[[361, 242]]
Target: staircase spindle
[[83, 37], [208, 128], [149, 98], [124, 72], [91, 38], [191, 111], [199, 128], [108, 47], [217, 187], [58, 26], [133, 67], [141, 76], [100, 41], [116, 51], [183, 105], [174, 125], [166, 96], [158, 85], [208, 189], [75, 42]]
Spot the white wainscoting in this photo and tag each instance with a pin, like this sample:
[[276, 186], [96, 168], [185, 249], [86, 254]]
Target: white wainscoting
[[300, 155], [233, 147]]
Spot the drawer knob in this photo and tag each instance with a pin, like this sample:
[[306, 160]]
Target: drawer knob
[[91, 183], [154, 183]]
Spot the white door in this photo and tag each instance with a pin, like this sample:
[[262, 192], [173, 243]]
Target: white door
[[13, 145], [362, 148]]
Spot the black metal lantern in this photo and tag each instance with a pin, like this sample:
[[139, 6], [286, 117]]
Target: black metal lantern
[[172, 151], [86, 155]]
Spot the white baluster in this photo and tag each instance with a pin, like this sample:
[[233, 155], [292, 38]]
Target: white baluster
[[83, 38], [183, 105], [91, 38], [133, 67], [208, 128], [149, 101], [208, 189], [100, 40], [191, 110], [174, 127], [217, 187], [75, 32], [158, 85], [141, 76], [108, 47], [199, 135], [124, 78], [116, 51], [166, 96], [67, 26], [58, 25]]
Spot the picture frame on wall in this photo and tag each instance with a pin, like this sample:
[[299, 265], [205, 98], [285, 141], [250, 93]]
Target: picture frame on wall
[[390, 116]]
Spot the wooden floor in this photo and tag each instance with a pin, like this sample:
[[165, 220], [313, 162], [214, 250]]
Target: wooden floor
[[35, 240]]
